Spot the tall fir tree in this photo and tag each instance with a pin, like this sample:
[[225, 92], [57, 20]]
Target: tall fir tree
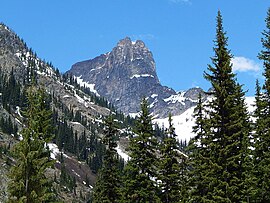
[[259, 129], [199, 156], [262, 114], [139, 185], [28, 182], [107, 188], [170, 170], [230, 128]]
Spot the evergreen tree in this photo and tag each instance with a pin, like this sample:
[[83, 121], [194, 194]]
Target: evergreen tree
[[259, 129], [199, 156], [140, 172], [28, 182], [170, 160], [230, 129], [262, 125], [67, 181], [107, 188]]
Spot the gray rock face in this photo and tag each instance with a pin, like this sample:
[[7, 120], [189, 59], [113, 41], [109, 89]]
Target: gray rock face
[[10, 44], [16, 57], [128, 73]]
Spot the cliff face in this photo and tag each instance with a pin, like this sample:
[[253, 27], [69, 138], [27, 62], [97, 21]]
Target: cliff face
[[10, 47], [128, 73]]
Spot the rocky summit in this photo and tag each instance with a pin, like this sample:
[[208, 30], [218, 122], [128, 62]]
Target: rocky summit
[[128, 73]]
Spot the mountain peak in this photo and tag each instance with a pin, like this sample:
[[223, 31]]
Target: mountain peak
[[135, 57], [124, 42], [128, 42], [139, 43], [128, 73]]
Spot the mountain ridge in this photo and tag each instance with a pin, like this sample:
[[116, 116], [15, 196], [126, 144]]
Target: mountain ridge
[[77, 116]]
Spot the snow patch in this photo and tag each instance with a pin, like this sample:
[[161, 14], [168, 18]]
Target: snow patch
[[80, 100], [18, 111], [251, 107], [86, 84], [18, 121], [54, 150], [98, 68], [154, 95], [20, 136], [40, 73], [176, 98], [138, 58], [76, 173], [75, 123], [142, 75], [134, 115], [153, 104], [250, 102], [122, 154]]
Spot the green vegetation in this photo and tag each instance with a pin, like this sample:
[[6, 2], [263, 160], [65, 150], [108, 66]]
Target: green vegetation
[[140, 173], [262, 124], [107, 188], [171, 161], [228, 138], [28, 182]]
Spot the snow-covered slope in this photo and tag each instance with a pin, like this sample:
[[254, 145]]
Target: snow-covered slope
[[183, 123]]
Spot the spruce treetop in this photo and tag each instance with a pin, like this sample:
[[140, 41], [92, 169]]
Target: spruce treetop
[[264, 55], [220, 74]]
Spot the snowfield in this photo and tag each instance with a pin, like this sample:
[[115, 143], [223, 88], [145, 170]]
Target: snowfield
[[183, 123], [122, 154]]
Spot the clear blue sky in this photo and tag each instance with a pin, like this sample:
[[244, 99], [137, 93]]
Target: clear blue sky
[[180, 33]]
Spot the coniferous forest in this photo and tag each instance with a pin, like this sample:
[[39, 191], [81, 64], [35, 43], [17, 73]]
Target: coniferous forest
[[228, 160]]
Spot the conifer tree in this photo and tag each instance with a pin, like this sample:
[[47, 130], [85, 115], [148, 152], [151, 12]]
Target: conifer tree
[[259, 129], [262, 114], [170, 173], [140, 172], [260, 107], [107, 188], [230, 128], [199, 156], [28, 182]]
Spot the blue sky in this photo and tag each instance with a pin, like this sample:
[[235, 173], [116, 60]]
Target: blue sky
[[179, 33]]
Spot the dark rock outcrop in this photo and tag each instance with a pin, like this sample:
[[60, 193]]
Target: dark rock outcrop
[[128, 73]]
